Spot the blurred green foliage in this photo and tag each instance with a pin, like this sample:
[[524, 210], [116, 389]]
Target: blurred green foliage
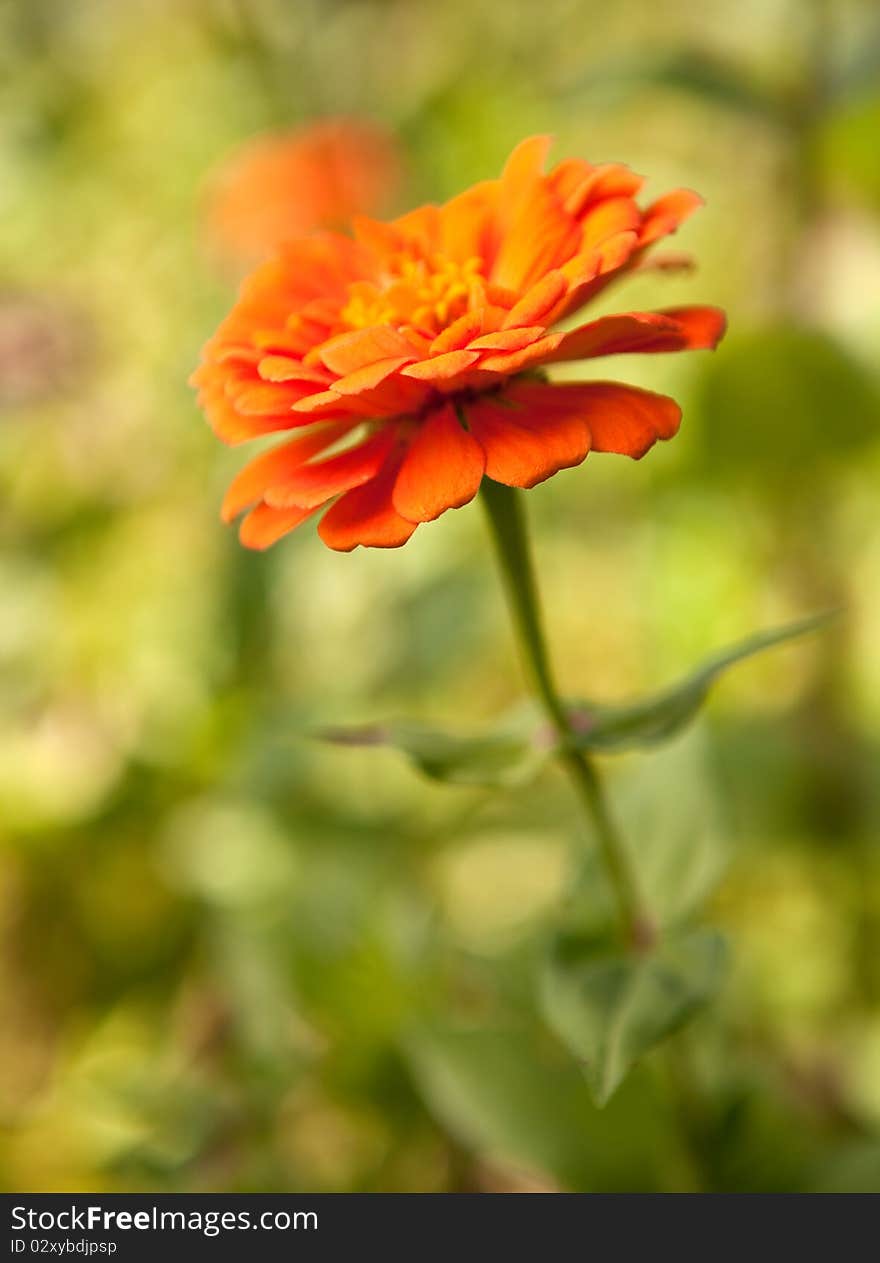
[[234, 959]]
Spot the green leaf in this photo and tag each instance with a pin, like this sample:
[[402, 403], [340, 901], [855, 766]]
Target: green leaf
[[513, 1097], [610, 1009], [666, 808], [514, 751], [506, 756], [667, 811], [656, 719]]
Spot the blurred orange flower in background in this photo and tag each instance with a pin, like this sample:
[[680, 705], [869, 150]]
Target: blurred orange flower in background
[[410, 355], [282, 185]]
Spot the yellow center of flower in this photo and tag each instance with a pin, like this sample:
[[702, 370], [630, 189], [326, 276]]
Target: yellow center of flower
[[427, 294]]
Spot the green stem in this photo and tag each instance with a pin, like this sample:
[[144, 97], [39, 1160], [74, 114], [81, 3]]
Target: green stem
[[507, 524]]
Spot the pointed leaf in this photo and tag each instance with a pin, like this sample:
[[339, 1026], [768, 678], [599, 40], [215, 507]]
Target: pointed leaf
[[610, 1009], [517, 1100], [515, 749], [666, 808], [504, 756], [656, 719]]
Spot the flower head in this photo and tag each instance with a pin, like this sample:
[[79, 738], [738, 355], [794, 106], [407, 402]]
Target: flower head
[[282, 185], [409, 357]]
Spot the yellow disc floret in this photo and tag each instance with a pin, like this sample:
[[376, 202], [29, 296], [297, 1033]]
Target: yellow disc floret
[[427, 294]]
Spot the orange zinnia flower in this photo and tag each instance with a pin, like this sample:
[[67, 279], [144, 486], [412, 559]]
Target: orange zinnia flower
[[407, 357], [283, 185]]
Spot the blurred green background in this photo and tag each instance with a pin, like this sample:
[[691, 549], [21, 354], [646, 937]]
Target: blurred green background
[[234, 960]]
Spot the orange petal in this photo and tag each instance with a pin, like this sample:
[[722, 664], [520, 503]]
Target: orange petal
[[442, 469], [322, 266], [622, 419], [541, 237], [607, 219], [590, 272], [467, 223], [281, 368], [395, 397], [251, 483], [702, 327], [500, 295], [536, 434], [665, 215], [538, 301], [378, 237], [421, 227], [234, 354], [290, 341], [329, 404], [264, 525], [256, 398], [616, 250], [507, 339], [505, 364], [568, 175], [678, 329], [612, 335], [612, 180], [230, 426], [370, 376], [313, 484], [458, 334], [348, 352], [440, 368], [392, 397], [366, 516], [524, 165]]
